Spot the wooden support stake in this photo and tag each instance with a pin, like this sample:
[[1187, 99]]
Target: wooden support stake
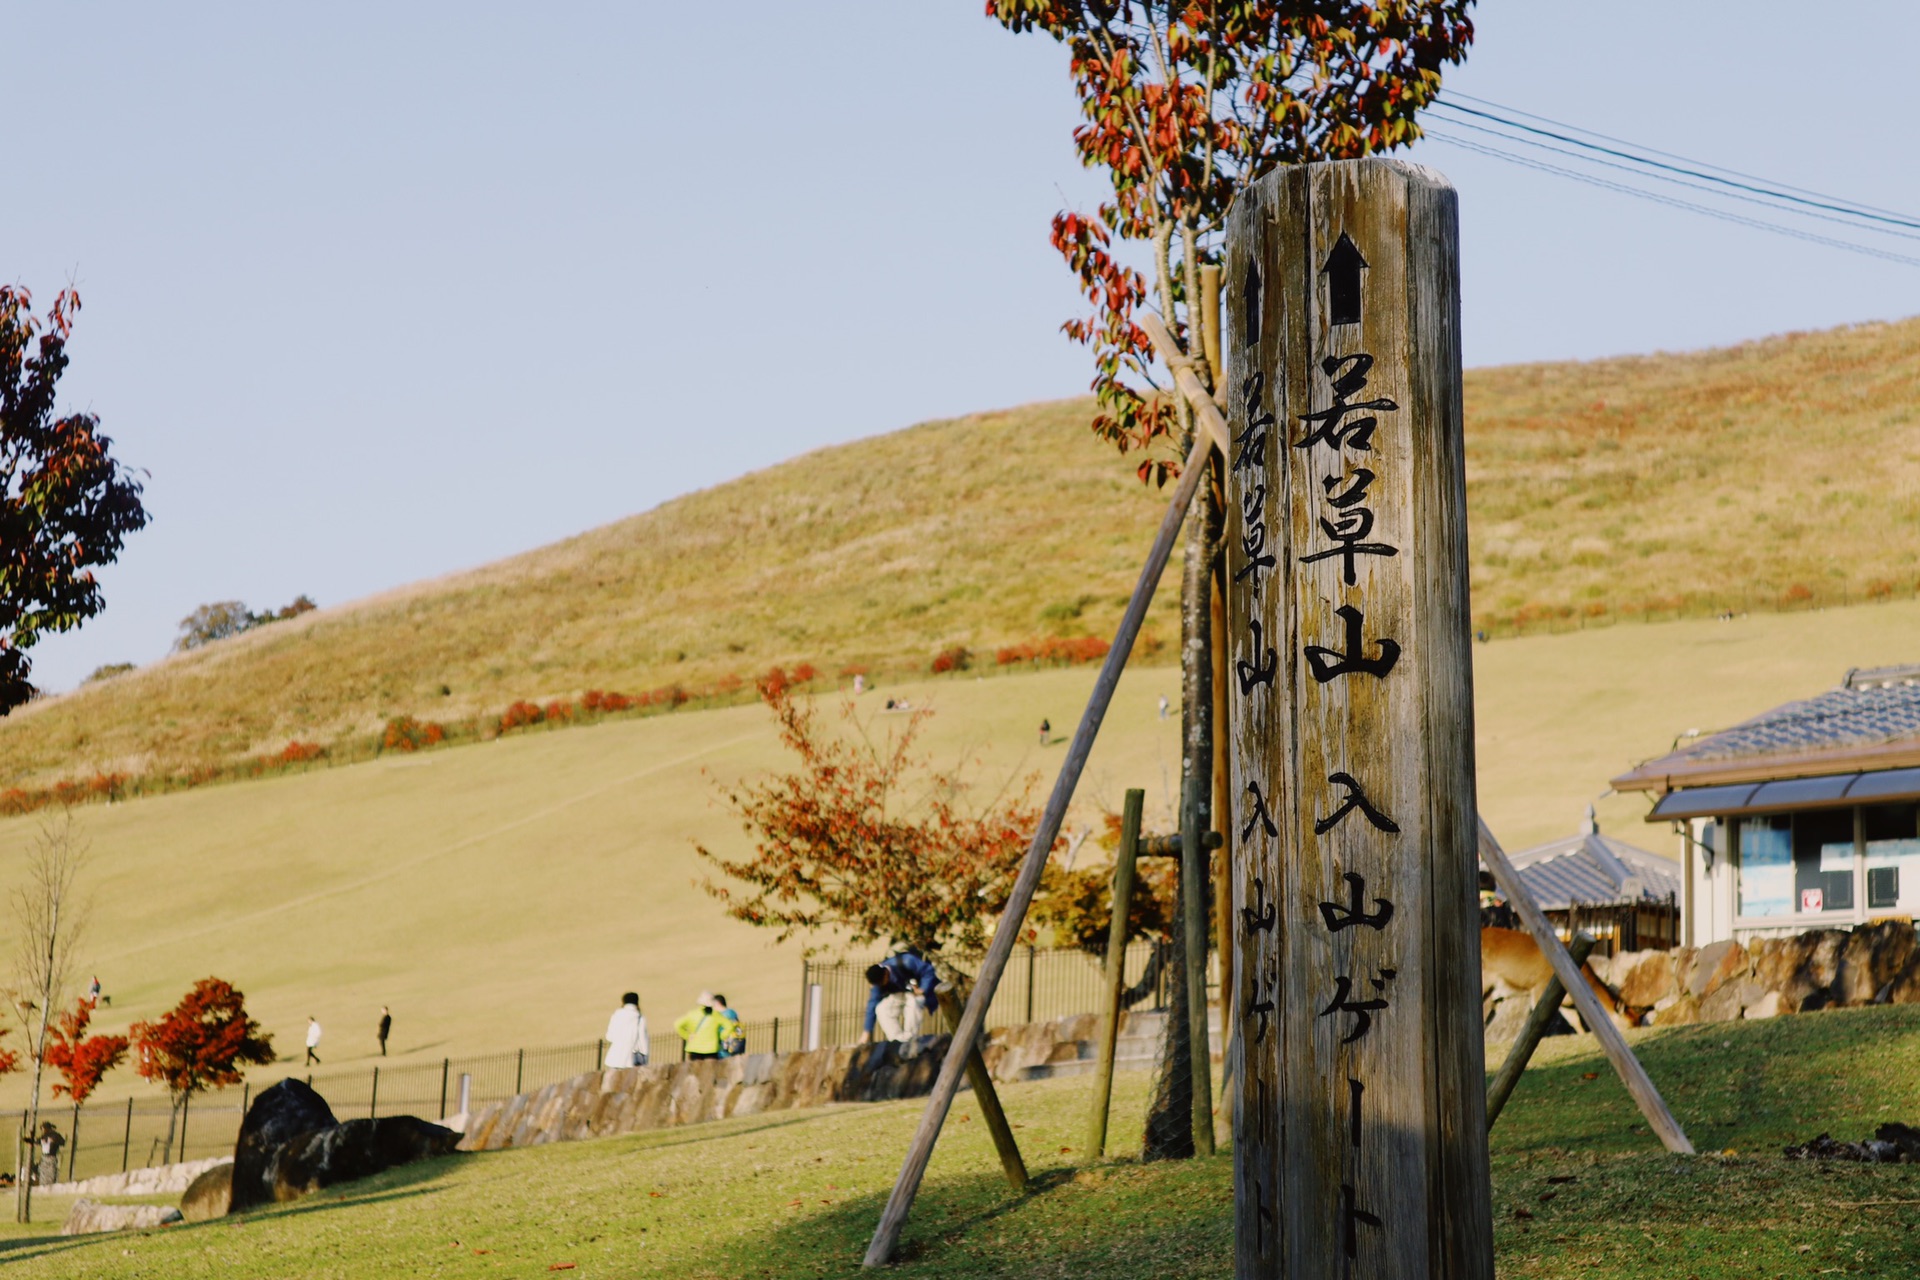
[[996, 1117], [1116, 974], [1360, 1144], [886, 1235], [1536, 1026], [1631, 1073], [1193, 930]]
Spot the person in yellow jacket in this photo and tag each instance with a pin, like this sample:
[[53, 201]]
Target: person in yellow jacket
[[701, 1029]]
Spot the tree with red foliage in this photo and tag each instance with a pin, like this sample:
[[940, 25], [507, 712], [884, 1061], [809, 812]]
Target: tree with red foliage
[[860, 839], [65, 505], [1184, 103], [200, 1043], [81, 1059]]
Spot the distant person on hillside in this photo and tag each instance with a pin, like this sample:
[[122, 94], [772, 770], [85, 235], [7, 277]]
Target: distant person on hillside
[[627, 1034], [49, 1143], [899, 989], [733, 1037], [859, 684], [386, 1025], [313, 1040], [93, 990], [1046, 732], [1163, 706], [700, 1028]]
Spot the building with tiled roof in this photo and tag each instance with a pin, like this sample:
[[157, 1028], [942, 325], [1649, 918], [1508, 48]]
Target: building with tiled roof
[[1621, 893], [1806, 816]]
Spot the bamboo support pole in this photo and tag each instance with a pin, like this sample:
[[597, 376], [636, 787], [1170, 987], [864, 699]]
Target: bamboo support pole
[[1116, 974], [1632, 1074], [1013, 918], [1528, 1040]]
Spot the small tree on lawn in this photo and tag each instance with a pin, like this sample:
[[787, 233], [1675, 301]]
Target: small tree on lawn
[[863, 839], [200, 1043], [50, 917], [65, 504], [82, 1060], [1184, 103]]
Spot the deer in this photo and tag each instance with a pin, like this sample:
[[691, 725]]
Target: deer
[[1510, 958]]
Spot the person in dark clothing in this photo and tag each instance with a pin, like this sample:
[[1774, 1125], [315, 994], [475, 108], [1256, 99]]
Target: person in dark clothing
[[386, 1025], [900, 987]]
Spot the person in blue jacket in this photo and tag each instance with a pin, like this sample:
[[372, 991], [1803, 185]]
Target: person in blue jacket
[[904, 987]]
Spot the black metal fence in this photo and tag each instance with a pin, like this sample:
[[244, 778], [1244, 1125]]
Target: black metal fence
[[1623, 926], [1040, 983]]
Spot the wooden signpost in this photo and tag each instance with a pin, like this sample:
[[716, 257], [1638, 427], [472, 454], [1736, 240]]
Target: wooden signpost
[[1360, 1134]]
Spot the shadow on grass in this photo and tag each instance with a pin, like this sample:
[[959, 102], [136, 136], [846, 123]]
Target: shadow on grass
[[1114, 1221]]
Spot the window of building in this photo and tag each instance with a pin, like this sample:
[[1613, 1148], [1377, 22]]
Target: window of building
[[1892, 836], [1823, 860], [1766, 866]]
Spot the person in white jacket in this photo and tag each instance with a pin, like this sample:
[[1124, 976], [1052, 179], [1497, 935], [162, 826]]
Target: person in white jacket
[[313, 1041], [627, 1034]]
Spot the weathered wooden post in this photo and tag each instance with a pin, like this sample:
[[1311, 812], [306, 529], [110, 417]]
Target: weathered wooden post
[[1116, 971], [1360, 1135]]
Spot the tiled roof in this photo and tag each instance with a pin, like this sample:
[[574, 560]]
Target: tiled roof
[[1594, 868], [1836, 719]]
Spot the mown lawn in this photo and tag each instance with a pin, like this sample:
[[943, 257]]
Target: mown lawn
[[1580, 1188]]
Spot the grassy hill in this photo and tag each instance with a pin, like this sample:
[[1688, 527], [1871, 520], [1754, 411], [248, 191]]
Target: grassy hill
[[503, 894], [1779, 473], [1579, 1188]]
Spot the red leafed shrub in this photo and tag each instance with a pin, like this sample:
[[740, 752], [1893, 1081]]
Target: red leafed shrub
[[954, 658], [1055, 650], [404, 733], [599, 700], [853, 669], [558, 711], [773, 684], [1799, 591], [81, 1059], [298, 753], [520, 715], [803, 674], [729, 683]]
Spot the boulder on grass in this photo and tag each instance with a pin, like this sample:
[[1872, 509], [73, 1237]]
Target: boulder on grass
[[356, 1149], [88, 1216], [280, 1114], [208, 1195]]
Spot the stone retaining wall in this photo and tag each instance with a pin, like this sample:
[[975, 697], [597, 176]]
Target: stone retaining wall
[[1875, 963], [166, 1179], [603, 1103]]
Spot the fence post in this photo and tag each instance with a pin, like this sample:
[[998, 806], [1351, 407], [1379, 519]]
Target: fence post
[[520, 1071], [446, 1065], [126, 1142], [246, 1093], [373, 1099], [466, 1093], [812, 1038], [73, 1143], [776, 1033], [1030, 955], [185, 1098]]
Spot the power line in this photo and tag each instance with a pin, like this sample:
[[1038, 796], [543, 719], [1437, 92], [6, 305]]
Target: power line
[[1672, 201], [1622, 142], [1776, 193], [1679, 182]]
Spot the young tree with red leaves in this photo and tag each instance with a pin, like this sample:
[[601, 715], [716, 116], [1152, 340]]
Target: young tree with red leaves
[[65, 505], [200, 1043], [82, 1060], [860, 839], [1184, 104]]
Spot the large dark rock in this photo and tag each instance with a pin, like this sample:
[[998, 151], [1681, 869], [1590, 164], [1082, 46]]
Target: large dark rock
[[288, 1110], [356, 1149]]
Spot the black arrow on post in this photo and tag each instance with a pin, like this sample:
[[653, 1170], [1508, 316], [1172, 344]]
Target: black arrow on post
[[1343, 267]]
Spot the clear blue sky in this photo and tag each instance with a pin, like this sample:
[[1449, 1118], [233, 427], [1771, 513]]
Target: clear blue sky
[[379, 292]]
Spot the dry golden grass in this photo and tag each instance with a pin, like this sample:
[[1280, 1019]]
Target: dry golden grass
[[1784, 471]]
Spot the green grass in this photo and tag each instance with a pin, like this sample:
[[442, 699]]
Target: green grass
[[1598, 492], [1580, 1189]]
